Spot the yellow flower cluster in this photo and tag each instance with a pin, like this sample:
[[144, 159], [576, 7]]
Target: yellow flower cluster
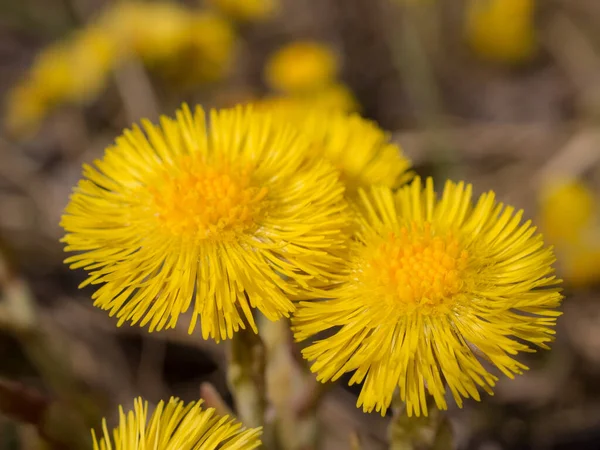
[[313, 214], [176, 426], [184, 45], [305, 73]]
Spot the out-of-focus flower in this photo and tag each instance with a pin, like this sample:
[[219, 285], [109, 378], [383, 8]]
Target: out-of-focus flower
[[334, 97], [432, 288], [25, 110], [357, 147], [208, 217], [176, 426], [501, 31], [300, 67], [247, 10], [570, 219], [360, 150], [93, 54], [72, 71], [152, 30], [208, 53]]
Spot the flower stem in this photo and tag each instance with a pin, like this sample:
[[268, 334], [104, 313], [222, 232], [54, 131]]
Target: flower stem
[[432, 432], [246, 377]]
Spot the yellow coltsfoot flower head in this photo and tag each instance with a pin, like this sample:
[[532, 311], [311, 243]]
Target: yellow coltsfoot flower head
[[25, 109], [176, 426], [206, 216], [208, 53], [570, 220], [333, 97], [433, 288], [568, 209], [501, 31], [300, 67], [71, 71], [357, 147], [151, 30], [360, 150]]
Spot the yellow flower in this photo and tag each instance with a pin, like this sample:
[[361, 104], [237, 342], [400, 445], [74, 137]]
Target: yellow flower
[[301, 66], [247, 10], [176, 426], [357, 147], [433, 288], [25, 110], [333, 97], [93, 54], [152, 30], [569, 217], [74, 70], [208, 53], [567, 209], [206, 217], [501, 31], [71, 71]]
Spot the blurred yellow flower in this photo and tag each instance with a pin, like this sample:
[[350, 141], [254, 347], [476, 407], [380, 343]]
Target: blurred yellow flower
[[208, 54], [74, 70], [433, 288], [176, 426], [357, 147], [501, 31], [93, 54], [570, 219], [300, 67], [25, 110], [567, 208], [247, 10], [152, 30], [334, 97], [206, 216]]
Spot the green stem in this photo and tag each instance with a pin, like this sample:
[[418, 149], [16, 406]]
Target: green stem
[[246, 377]]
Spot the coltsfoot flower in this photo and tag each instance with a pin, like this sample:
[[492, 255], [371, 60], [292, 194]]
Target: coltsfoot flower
[[569, 217], [151, 30], [357, 147], [71, 71], [206, 56], [501, 31], [300, 67], [360, 150], [176, 426], [335, 97], [432, 289], [223, 218]]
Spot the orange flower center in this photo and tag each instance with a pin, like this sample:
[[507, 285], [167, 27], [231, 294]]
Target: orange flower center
[[420, 268], [207, 201]]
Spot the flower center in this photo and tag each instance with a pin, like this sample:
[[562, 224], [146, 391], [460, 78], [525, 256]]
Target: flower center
[[420, 268], [207, 201]]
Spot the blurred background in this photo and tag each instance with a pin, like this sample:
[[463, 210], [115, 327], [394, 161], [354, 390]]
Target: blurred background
[[504, 94]]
